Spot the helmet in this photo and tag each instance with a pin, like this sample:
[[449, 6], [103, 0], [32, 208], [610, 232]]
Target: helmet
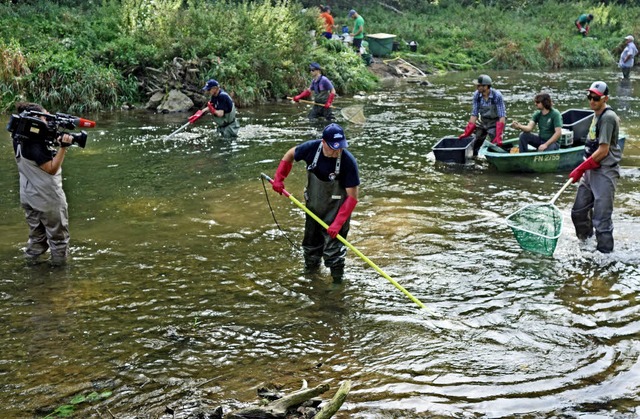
[[484, 80], [333, 135]]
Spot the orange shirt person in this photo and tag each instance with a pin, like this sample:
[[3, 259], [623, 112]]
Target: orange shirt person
[[329, 24]]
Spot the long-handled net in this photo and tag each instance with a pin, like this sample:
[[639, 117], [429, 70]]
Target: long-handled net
[[537, 227], [353, 114]]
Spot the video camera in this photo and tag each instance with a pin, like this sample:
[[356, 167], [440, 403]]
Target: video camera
[[28, 126]]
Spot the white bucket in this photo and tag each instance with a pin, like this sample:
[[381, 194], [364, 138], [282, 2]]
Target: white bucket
[[566, 138]]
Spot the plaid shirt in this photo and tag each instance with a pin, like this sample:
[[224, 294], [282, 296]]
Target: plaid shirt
[[495, 97]]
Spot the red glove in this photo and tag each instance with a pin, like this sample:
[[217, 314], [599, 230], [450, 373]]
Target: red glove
[[345, 212], [588, 164], [211, 108], [497, 140], [305, 93], [284, 168], [193, 118], [329, 101], [471, 126]]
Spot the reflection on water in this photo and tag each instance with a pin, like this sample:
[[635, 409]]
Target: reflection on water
[[182, 288]]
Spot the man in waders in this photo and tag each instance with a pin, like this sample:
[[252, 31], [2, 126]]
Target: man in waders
[[599, 172], [488, 114], [323, 93], [222, 109], [41, 195], [331, 194]]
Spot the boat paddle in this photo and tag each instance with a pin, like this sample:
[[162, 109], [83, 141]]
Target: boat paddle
[[350, 246]]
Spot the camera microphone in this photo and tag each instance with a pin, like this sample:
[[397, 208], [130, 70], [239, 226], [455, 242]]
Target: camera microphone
[[86, 123]]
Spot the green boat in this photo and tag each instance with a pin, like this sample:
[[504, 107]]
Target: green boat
[[565, 159]]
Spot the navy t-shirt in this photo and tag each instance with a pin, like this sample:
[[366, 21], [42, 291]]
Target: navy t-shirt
[[348, 176], [222, 102], [35, 150]]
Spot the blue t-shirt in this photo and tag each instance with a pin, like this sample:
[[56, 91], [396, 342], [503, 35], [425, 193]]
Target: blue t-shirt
[[222, 102], [348, 176], [323, 83]]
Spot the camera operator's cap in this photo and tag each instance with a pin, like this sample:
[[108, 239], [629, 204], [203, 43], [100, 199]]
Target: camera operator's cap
[[351, 13], [210, 84], [484, 80], [599, 88], [314, 66], [333, 135], [629, 38]]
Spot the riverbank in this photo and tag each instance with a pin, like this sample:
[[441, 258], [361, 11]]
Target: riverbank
[[78, 56]]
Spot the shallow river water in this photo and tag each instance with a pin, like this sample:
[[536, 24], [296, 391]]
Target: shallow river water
[[182, 291]]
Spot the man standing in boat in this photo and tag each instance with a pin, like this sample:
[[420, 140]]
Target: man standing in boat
[[549, 121], [488, 114], [599, 172]]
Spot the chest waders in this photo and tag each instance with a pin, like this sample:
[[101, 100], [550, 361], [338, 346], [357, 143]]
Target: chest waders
[[227, 126], [593, 206], [486, 124], [45, 208], [324, 199], [320, 96]]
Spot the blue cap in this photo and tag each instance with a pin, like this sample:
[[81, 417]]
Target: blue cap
[[351, 13], [333, 135], [210, 84], [314, 66]]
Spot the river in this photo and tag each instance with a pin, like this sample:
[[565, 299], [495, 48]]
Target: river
[[182, 291]]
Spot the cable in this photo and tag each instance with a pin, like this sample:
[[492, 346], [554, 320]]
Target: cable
[[266, 195]]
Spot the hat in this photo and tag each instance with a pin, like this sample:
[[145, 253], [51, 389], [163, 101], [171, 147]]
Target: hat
[[629, 38], [211, 83], [599, 88], [333, 135], [484, 80], [351, 13], [325, 8], [314, 66]]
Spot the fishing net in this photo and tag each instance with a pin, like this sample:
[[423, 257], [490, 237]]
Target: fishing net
[[354, 114], [537, 227]]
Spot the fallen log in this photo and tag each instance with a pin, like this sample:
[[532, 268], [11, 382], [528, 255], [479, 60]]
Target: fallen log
[[278, 408], [335, 403]]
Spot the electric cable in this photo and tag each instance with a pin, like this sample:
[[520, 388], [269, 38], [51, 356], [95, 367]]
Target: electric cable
[[273, 214]]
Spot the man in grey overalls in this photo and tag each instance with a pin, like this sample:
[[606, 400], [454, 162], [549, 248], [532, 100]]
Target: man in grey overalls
[[599, 172], [41, 194], [331, 194], [488, 114], [222, 109]]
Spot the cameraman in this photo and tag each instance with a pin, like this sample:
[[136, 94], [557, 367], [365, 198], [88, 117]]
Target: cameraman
[[41, 194]]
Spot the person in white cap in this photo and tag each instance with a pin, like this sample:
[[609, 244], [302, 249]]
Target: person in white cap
[[331, 194], [627, 57], [599, 173], [488, 114]]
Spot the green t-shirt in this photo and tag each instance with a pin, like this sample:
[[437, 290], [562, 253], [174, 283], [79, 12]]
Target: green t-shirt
[[548, 123], [357, 25]]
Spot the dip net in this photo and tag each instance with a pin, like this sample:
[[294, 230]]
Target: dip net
[[537, 227], [354, 114]]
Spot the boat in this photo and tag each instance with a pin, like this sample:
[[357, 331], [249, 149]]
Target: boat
[[566, 158]]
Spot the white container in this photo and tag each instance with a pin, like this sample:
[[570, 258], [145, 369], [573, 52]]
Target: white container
[[566, 138]]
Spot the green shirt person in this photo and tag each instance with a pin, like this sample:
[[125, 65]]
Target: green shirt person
[[358, 29], [549, 121], [582, 23]]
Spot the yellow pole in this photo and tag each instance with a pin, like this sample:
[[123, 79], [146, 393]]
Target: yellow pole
[[350, 246]]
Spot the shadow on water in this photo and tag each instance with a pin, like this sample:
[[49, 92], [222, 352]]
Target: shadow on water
[[182, 290]]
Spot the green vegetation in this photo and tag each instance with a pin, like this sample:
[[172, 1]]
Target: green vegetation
[[67, 410], [80, 56]]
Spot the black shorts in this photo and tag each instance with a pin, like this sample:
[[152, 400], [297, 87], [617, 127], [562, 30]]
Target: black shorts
[[357, 43]]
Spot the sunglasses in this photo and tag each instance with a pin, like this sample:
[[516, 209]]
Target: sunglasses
[[594, 98]]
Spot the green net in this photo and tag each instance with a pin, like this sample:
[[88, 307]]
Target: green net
[[537, 227]]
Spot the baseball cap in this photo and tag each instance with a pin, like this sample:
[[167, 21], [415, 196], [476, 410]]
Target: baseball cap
[[484, 80], [351, 13], [333, 135], [314, 66], [211, 83], [599, 88], [629, 38]]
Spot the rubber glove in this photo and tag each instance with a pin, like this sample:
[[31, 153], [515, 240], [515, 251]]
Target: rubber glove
[[305, 93], [284, 168], [193, 118], [497, 140], [471, 126], [211, 108], [343, 215], [329, 101], [588, 164]]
